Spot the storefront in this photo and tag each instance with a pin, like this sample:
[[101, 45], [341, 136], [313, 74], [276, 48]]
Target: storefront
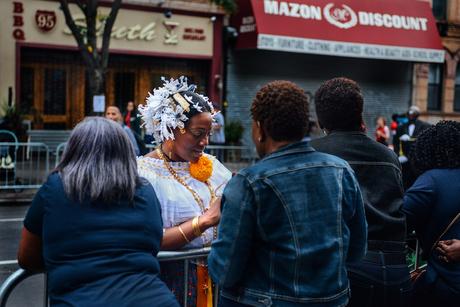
[[375, 43], [43, 70]]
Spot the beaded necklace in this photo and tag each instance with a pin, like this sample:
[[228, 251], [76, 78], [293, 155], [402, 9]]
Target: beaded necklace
[[195, 195]]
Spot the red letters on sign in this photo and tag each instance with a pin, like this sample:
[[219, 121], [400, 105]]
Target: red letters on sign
[[18, 22], [19, 34], [18, 8]]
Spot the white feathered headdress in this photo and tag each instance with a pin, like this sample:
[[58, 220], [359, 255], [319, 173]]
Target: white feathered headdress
[[166, 109]]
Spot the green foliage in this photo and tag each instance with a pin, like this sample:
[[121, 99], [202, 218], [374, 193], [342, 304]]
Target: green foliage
[[228, 5], [234, 132], [12, 120]]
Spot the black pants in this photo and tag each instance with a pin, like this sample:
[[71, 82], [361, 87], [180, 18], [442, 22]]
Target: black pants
[[434, 293], [381, 278]]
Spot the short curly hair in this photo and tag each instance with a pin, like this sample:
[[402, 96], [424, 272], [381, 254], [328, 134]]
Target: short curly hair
[[437, 147], [281, 107], [339, 104]]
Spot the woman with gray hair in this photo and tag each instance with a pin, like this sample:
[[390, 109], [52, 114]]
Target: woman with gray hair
[[95, 226]]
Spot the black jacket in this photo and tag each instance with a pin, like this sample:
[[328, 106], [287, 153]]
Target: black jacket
[[407, 145], [379, 175]]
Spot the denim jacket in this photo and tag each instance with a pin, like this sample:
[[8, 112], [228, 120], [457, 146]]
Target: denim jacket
[[289, 223]]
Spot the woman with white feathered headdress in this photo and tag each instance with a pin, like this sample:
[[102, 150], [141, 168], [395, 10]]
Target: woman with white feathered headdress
[[187, 182]]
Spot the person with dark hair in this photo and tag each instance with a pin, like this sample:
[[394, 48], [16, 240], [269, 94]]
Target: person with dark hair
[[95, 226], [187, 181], [403, 140], [291, 221], [382, 277], [131, 118], [132, 121], [432, 207]]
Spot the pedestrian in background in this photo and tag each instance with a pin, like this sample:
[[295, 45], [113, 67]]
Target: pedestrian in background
[[432, 205], [95, 226], [132, 120], [113, 113], [218, 133], [381, 278], [403, 140], [291, 221], [382, 132]]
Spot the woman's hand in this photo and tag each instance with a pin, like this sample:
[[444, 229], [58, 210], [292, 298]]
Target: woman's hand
[[212, 216], [449, 250]]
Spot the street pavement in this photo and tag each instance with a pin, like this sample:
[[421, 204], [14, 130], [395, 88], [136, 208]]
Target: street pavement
[[29, 292]]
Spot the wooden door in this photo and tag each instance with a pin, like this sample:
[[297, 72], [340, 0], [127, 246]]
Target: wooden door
[[48, 100]]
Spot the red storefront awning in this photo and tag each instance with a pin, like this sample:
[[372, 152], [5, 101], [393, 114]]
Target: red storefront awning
[[379, 29]]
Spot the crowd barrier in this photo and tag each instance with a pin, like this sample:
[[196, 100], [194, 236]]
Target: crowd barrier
[[187, 256], [26, 165], [23, 165], [6, 289]]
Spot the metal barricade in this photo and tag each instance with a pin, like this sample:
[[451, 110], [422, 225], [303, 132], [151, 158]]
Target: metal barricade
[[24, 167], [187, 256], [59, 151]]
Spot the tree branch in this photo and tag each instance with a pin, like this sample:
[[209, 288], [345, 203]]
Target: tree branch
[[75, 31], [108, 31], [91, 33], [81, 6]]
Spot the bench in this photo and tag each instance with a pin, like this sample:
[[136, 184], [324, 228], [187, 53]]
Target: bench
[[51, 138]]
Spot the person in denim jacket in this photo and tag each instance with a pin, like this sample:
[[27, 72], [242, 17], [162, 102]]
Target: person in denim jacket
[[382, 277], [290, 222]]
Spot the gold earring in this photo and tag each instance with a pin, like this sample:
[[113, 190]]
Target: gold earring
[[182, 130]]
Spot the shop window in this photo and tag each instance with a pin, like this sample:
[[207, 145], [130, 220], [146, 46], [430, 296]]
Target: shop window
[[27, 90], [124, 88], [457, 91], [440, 9], [55, 91], [435, 87]]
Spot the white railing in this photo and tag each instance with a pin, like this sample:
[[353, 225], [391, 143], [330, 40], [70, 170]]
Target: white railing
[[23, 165]]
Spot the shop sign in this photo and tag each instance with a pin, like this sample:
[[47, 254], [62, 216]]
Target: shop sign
[[171, 37], [382, 29], [18, 21], [135, 32], [195, 34], [45, 20]]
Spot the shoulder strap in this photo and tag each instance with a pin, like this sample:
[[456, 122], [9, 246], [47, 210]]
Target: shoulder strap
[[446, 230]]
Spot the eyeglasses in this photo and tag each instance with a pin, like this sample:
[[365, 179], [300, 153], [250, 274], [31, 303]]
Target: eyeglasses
[[200, 133]]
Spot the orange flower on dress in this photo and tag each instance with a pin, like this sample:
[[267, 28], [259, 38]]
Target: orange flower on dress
[[202, 169]]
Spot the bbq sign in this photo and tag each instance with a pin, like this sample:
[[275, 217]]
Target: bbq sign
[[383, 29], [45, 20]]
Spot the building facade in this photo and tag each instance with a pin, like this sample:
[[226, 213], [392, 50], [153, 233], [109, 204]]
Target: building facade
[[379, 44], [436, 87], [43, 74]]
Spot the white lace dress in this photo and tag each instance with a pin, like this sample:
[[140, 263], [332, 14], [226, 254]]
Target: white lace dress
[[177, 203]]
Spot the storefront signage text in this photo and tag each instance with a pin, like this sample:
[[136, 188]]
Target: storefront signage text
[[343, 16], [45, 20], [18, 21], [136, 32], [195, 34], [323, 47]]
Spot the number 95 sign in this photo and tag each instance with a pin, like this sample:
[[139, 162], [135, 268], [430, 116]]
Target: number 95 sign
[[45, 20]]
